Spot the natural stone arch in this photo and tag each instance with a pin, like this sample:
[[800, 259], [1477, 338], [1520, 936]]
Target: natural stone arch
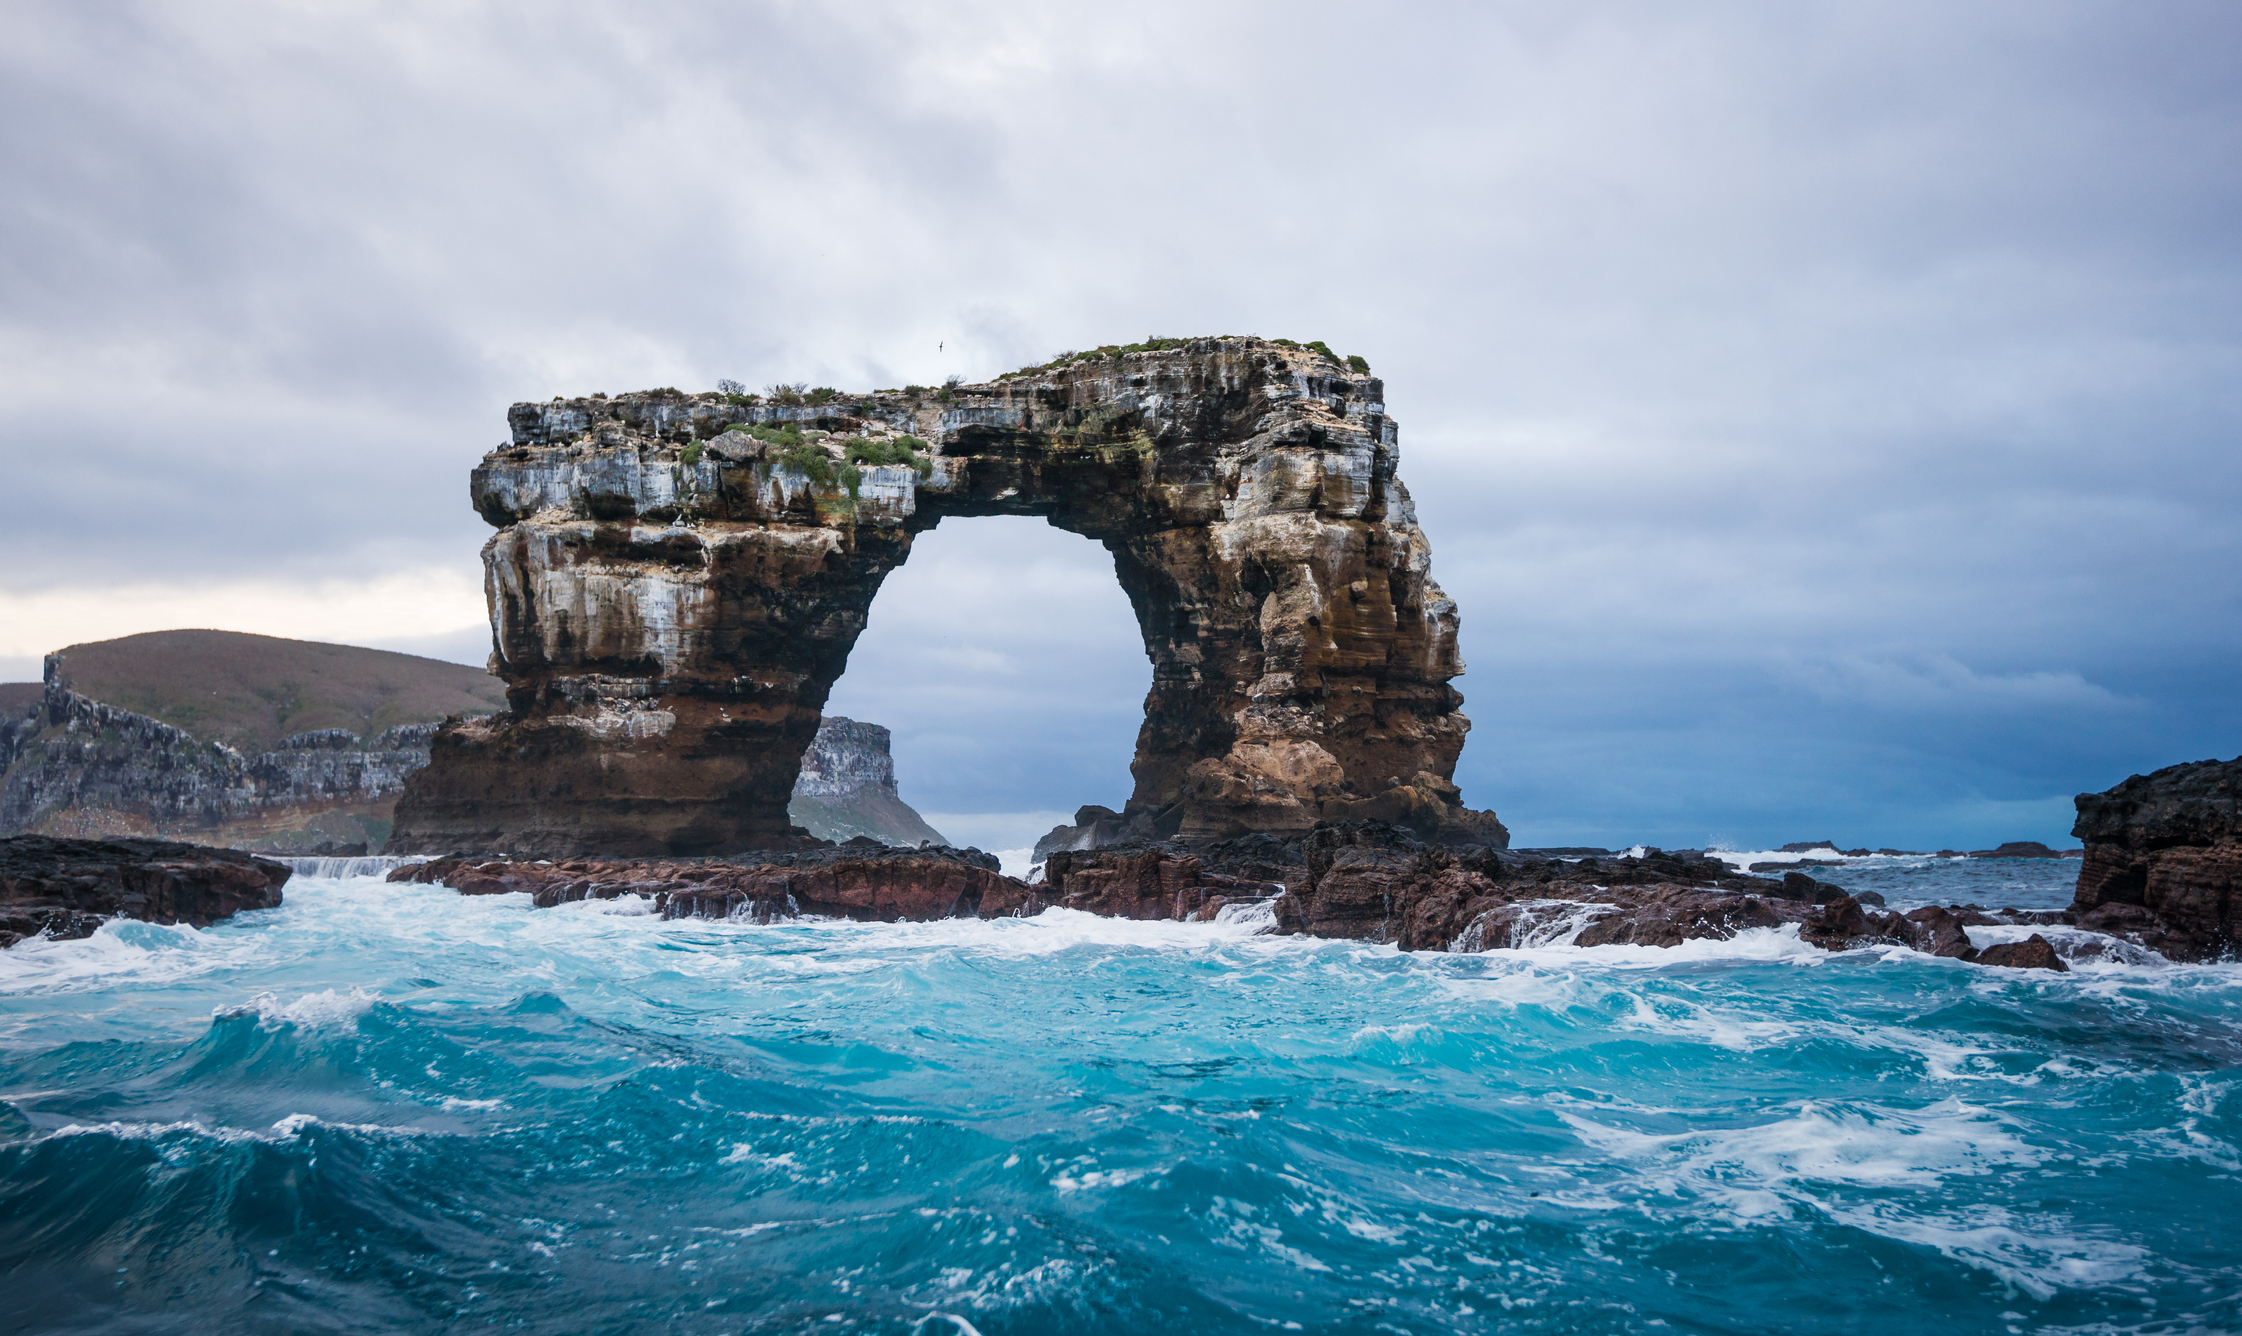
[[672, 601]]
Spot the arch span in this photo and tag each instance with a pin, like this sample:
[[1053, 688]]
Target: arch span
[[677, 580]]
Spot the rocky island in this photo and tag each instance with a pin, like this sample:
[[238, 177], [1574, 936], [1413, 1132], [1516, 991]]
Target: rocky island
[[284, 746], [677, 580], [298, 747]]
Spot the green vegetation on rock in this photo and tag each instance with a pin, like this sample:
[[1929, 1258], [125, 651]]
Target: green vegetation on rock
[[1158, 343]]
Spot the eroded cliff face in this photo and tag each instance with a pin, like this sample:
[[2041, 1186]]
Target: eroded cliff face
[[673, 599], [82, 767], [2163, 862], [847, 788]]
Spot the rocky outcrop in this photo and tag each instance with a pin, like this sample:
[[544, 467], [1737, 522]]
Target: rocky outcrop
[[1093, 827], [863, 880], [2018, 849], [1367, 881], [677, 581], [2163, 863], [81, 766], [89, 768], [68, 888], [2033, 953], [846, 788]]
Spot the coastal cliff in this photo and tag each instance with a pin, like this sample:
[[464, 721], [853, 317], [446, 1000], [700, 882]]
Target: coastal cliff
[[2163, 862], [287, 746], [677, 581], [90, 768], [82, 767]]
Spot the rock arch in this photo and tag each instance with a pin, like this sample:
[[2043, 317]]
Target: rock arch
[[675, 587]]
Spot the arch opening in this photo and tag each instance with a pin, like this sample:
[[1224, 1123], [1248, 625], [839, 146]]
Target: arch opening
[[1006, 662]]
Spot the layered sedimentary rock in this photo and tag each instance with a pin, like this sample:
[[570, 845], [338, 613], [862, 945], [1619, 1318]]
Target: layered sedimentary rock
[[673, 598], [79, 766], [68, 888], [2163, 862], [847, 789], [91, 769]]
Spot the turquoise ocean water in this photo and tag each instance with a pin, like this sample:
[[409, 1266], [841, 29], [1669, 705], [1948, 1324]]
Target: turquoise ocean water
[[385, 1108]]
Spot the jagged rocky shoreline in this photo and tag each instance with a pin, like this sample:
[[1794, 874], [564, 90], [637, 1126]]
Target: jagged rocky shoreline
[[2162, 864], [1367, 881], [2160, 874]]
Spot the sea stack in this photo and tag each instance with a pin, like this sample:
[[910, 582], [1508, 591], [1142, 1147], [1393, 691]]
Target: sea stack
[[677, 580], [847, 789], [2163, 861]]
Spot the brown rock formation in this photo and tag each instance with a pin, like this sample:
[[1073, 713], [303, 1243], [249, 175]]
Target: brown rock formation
[[2170, 845], [2033, 953], [861, 880], [68, 888], [673, 600], [1363, 880]]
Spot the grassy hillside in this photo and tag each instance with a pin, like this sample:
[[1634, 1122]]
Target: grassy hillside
[[17, 697], [251, 691]]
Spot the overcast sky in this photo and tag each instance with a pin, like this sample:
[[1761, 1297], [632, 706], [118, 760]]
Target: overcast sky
[[1826, 416]]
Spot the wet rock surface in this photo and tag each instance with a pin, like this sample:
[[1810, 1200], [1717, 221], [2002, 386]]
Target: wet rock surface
[[2033, 953], [1367, 881], [67, 888], [2163, 863], [862, 880], [677, 582]]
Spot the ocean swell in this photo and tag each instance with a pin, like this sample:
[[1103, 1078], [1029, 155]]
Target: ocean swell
[[395, 1108]]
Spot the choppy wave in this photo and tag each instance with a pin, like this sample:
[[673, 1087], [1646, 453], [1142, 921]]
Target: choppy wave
[[332, 869], [394, 1108]]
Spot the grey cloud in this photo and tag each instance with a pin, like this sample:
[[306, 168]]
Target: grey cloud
[[1722, 339]]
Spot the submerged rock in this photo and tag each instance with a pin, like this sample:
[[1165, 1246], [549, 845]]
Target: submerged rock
[[68, 888]]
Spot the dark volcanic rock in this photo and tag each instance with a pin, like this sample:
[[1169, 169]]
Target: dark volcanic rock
[[2033, 953], [1671, 916], [2171, 844], [674, 598], [1845, 923], [68, 888], [859, 880], [1093, 826], [1940, 932], [2017, 849], [1368, 881], [2139, 925]]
